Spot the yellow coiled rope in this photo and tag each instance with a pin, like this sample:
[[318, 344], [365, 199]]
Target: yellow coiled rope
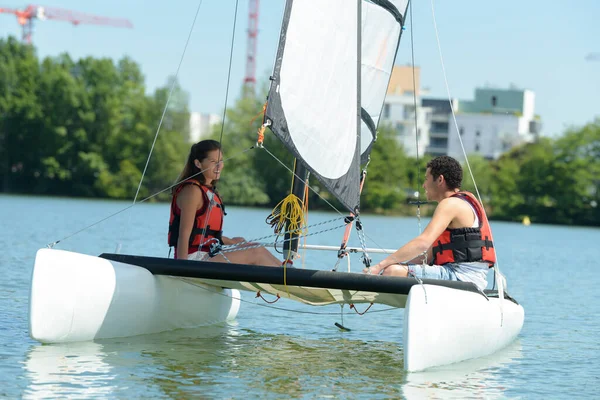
[[290, 212], [289, 216]]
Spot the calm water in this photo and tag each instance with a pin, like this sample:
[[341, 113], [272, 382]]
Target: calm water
[[294, 351]]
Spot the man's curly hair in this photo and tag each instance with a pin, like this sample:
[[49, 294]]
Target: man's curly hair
[[448, 167]]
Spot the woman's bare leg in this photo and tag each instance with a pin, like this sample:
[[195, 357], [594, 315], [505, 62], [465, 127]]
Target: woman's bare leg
[[253, 256]]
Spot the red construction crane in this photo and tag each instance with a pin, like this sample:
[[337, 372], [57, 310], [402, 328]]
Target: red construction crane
[[250, 79], [25, 18]]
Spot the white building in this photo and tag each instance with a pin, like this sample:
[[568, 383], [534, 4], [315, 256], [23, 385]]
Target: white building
[[201, 124], [439, 117], [399, 110], [496, 121]]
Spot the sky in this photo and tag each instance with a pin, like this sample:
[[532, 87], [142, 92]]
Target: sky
[[531, 44]]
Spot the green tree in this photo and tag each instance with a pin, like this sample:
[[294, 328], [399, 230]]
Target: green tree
[[242, 183], [482, 172], [387, 179], [505, 198], [172, 145], [19, 115], [577, 175]]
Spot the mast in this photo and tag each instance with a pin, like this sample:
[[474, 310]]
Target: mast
[[290, 245]]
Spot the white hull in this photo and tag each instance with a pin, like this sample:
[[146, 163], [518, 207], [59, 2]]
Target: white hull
[[76, 297], [444, 326]]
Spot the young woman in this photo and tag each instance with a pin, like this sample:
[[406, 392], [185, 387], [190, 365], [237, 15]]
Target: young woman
[[196, 221]]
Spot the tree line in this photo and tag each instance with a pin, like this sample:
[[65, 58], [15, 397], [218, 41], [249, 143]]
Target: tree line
[[85, 128]]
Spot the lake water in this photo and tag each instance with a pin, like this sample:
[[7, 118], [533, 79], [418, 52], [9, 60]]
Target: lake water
[[290, 350]]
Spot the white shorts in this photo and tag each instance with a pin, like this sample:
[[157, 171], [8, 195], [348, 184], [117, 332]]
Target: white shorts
[[198, 256]]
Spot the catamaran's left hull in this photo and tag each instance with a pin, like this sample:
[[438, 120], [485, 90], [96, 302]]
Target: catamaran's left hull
[[77, 297]]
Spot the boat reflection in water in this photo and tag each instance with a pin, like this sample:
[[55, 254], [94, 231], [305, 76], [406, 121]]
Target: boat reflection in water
[[224, 361], [479, 378], [123, 367], [67, 371]]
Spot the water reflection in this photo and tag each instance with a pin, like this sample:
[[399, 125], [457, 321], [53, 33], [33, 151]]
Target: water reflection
[[130, 367], [74, 370], [225, 360], [478, 378]]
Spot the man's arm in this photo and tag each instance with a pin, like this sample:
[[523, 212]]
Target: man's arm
[[425, 257], [417, 247]]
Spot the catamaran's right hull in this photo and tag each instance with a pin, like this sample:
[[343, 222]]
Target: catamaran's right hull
[[77, 297], [444, 326]]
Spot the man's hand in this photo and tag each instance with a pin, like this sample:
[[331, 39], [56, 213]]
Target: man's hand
[[373, 269]]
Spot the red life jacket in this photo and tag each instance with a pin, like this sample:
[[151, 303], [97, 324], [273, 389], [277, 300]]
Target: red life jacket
[[208, 224], [466, 244]]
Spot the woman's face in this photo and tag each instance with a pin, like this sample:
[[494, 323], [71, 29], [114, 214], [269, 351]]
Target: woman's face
[[212, 165]]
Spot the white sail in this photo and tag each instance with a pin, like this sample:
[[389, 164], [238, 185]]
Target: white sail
[[382, 23], [313, 102]]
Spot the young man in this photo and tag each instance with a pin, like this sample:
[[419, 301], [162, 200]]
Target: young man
[[457, 243]]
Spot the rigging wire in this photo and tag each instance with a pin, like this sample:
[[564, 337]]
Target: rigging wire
[[50, 245], [412, 51], [211, 202], [303, 181], [210, 205], [229, 69], [168, 99], [162, 117], [497, 266]]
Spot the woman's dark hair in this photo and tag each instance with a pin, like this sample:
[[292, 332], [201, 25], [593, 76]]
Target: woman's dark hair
[[448, 167], [199, 151]]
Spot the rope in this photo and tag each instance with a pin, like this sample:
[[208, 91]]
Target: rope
[[234, 247], [360, 313], [303, 181], [51, 245], [290, 210], [267, 301]]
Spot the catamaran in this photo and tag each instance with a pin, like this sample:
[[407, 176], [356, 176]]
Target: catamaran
[[324, 105]]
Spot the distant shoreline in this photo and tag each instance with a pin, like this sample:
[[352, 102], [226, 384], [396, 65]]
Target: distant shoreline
[[406, 210]]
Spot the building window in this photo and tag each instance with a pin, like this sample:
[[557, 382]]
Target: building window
[[477, 147], [400, 128], [386, 111], [461, 130], [494, 101], [477, 133]]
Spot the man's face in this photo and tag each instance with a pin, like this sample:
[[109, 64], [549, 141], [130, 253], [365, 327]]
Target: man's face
[[429, 185]]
